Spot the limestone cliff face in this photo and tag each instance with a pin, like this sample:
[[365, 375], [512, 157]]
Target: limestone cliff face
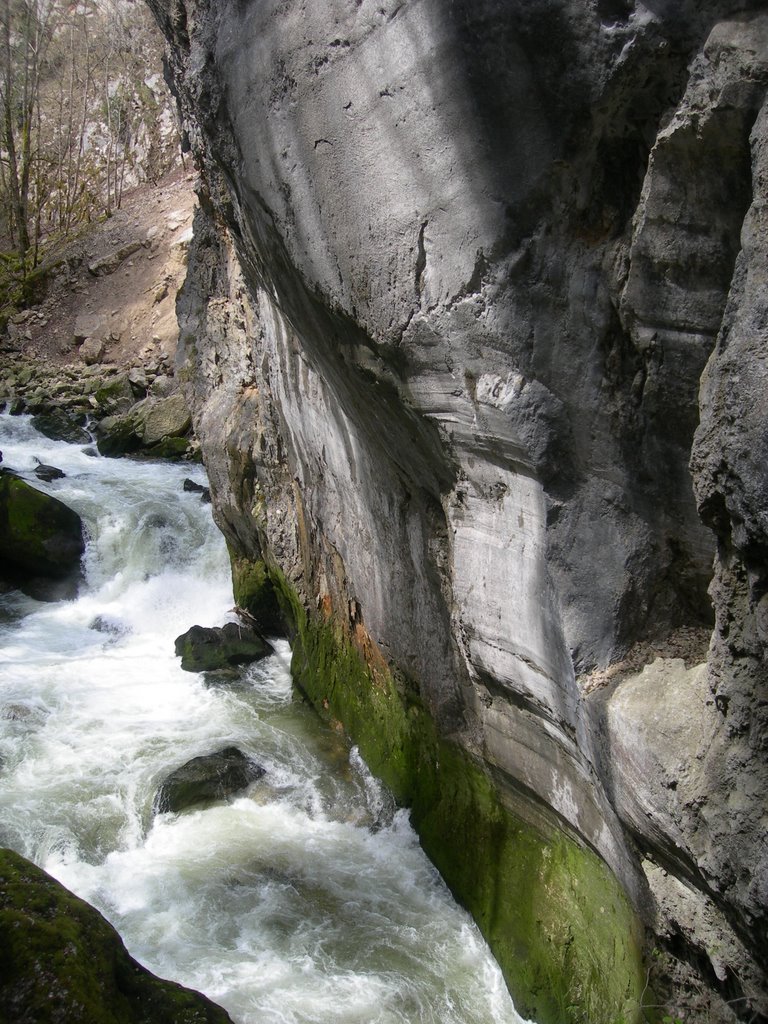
[[472, 284]]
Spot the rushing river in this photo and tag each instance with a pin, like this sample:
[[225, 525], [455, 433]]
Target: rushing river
[[308, 898]]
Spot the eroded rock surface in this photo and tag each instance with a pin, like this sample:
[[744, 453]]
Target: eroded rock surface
[[456, 277]]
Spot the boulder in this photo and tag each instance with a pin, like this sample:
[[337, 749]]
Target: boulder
[[92, 350], [169, 448], [48, 473], [115, 397], [116, 435], [158, 418], [89, 325], [220, 647], [205, 779], [109, 264], [39, 535], [59, 426], [204, 492], [62, 961], [137, 378]]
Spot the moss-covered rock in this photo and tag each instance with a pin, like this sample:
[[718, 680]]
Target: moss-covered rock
[[39, 534], [206, 779], [557, 920], [115, 397], [116, 435], [207, 649], [255, 594], [62, 963]]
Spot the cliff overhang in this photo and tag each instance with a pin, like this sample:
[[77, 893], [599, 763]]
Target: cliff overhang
[[473, 333]]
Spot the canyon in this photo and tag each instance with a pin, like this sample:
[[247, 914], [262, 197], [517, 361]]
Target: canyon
[[473, 335]]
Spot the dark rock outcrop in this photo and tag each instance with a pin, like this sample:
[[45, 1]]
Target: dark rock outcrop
[[61, 427], [62, 962], [206, 779], [207, 649], [41, 538], [470, 286], [48, 473]]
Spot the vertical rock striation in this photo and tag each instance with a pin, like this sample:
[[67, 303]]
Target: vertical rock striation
[[456, 276]]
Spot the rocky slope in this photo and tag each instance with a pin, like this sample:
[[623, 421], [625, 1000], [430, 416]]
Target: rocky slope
[[474, 337]]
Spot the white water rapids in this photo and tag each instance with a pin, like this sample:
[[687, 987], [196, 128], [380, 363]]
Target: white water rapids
[[307, 898]]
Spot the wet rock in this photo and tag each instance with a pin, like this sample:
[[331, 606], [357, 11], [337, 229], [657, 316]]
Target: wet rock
[[48, 473], [63, 962], [169, 448], [204, 649], [204, 492], [39, 535], [101, 624], [205, 779], [116, 435], [59, 426]]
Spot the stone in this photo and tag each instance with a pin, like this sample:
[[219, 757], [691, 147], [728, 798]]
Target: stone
[[59, 426], [206, 779], [89, 325], [169, 448], [116, 435], [48, 473], [39, 535], [160, 418], [204, 492], [163, 386], [110, 263], [92, 350], [206, 649], [116, 396], [62, 961], [137, 378]]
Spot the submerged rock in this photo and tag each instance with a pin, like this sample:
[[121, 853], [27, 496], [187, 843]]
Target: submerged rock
[[206, 778], [205, 649], [63, 962]]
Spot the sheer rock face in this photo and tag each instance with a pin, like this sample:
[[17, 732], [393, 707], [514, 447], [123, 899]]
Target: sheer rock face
[[457, 275]]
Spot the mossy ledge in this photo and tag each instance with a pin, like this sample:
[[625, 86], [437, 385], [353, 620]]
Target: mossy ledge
[[557, 920], [61, 961]]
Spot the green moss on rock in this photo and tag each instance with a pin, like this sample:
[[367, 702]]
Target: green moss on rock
[[62, 962], [556, 918], [38, 533], [254, 593]]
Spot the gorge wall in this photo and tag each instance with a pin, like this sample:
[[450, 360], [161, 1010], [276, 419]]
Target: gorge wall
[[474, 332]]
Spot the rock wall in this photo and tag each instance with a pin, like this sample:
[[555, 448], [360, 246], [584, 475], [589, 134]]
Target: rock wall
[[458, 273]]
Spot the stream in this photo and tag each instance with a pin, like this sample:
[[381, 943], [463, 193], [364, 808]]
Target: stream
[[304, 900]]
